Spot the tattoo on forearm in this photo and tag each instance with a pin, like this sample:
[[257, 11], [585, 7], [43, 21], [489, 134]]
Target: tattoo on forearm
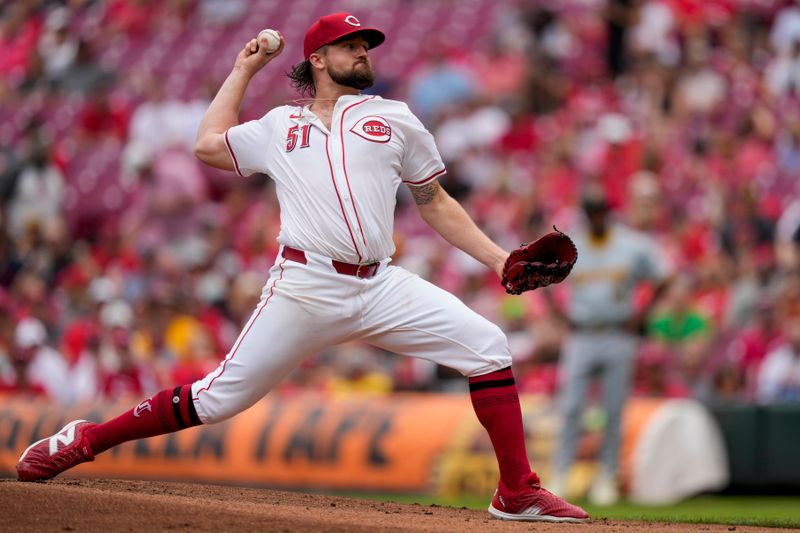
[[425, 194]]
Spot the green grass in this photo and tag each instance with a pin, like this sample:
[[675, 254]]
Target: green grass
[[735, 510], [764, 511]]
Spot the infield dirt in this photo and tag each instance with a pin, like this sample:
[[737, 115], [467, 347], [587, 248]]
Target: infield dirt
[[116, 506]]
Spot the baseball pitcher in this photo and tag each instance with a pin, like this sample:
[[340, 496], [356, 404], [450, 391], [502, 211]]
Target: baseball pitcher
[[337, 163]]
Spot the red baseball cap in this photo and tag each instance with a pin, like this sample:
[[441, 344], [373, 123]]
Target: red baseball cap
[[335, 26]]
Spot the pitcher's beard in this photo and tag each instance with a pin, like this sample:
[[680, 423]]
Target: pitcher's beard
[[357, 78]]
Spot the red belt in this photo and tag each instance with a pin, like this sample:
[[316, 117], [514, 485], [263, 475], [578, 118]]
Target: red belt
[[349, 269]]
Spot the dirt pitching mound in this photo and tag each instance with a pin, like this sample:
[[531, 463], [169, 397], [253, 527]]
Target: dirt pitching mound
[[117, 506]]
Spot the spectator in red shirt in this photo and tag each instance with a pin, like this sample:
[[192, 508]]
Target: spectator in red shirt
[[20, 29], [129, 17], [103, 115], [657, 375]]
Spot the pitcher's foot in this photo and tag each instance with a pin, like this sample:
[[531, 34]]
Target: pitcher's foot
[[50, 456], [531, 502]]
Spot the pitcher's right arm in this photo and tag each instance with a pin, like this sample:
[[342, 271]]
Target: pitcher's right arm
[[223, 113]]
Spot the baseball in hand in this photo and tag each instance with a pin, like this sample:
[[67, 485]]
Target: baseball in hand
[[269, 39]]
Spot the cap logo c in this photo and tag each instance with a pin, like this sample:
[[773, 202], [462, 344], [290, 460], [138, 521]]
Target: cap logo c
[[350, 19]]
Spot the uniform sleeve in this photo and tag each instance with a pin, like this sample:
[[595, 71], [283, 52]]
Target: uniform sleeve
[[249, 143], [421, 160]]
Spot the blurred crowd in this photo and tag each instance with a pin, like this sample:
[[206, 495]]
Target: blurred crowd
[[686, 112]]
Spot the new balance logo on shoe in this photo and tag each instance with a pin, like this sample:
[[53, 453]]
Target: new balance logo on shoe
[[66, 438]]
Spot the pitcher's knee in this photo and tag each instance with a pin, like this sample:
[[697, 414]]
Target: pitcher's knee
[[490, 351]]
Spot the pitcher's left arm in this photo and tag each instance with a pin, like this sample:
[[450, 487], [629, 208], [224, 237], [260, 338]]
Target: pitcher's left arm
[[445, 215]]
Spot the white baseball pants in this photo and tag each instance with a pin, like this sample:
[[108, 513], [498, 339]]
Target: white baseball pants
[[305, 308]]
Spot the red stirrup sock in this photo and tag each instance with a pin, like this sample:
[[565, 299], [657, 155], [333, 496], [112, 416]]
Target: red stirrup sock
[[166, 412], [495, 400]]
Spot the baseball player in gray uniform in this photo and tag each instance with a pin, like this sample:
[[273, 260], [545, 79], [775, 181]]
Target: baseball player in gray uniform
[[603, 341], [337, 163]]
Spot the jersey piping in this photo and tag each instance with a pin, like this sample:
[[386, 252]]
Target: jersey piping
[[426, 180], [344, 167], [241, 340], [233, 156], [341, 204]]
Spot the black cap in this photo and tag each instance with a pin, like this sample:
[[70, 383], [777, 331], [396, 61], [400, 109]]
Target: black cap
[[594, 200]]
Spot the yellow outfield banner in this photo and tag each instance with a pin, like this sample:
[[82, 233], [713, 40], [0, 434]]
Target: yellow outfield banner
[[385, 443]]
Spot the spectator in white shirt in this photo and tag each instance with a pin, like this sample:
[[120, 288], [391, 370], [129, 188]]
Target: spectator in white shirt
[[779, 378], [47, 368]]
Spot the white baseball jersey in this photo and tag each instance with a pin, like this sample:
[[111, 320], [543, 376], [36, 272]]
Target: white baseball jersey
[[337, 188], [337, 193]]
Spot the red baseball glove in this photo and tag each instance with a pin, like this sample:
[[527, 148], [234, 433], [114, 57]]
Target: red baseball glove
[[546, 260]]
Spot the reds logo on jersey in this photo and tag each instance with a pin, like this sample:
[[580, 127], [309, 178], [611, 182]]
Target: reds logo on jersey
[[373, 128]]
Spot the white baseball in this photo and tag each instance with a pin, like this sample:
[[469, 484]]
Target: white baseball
[[272, 38]]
